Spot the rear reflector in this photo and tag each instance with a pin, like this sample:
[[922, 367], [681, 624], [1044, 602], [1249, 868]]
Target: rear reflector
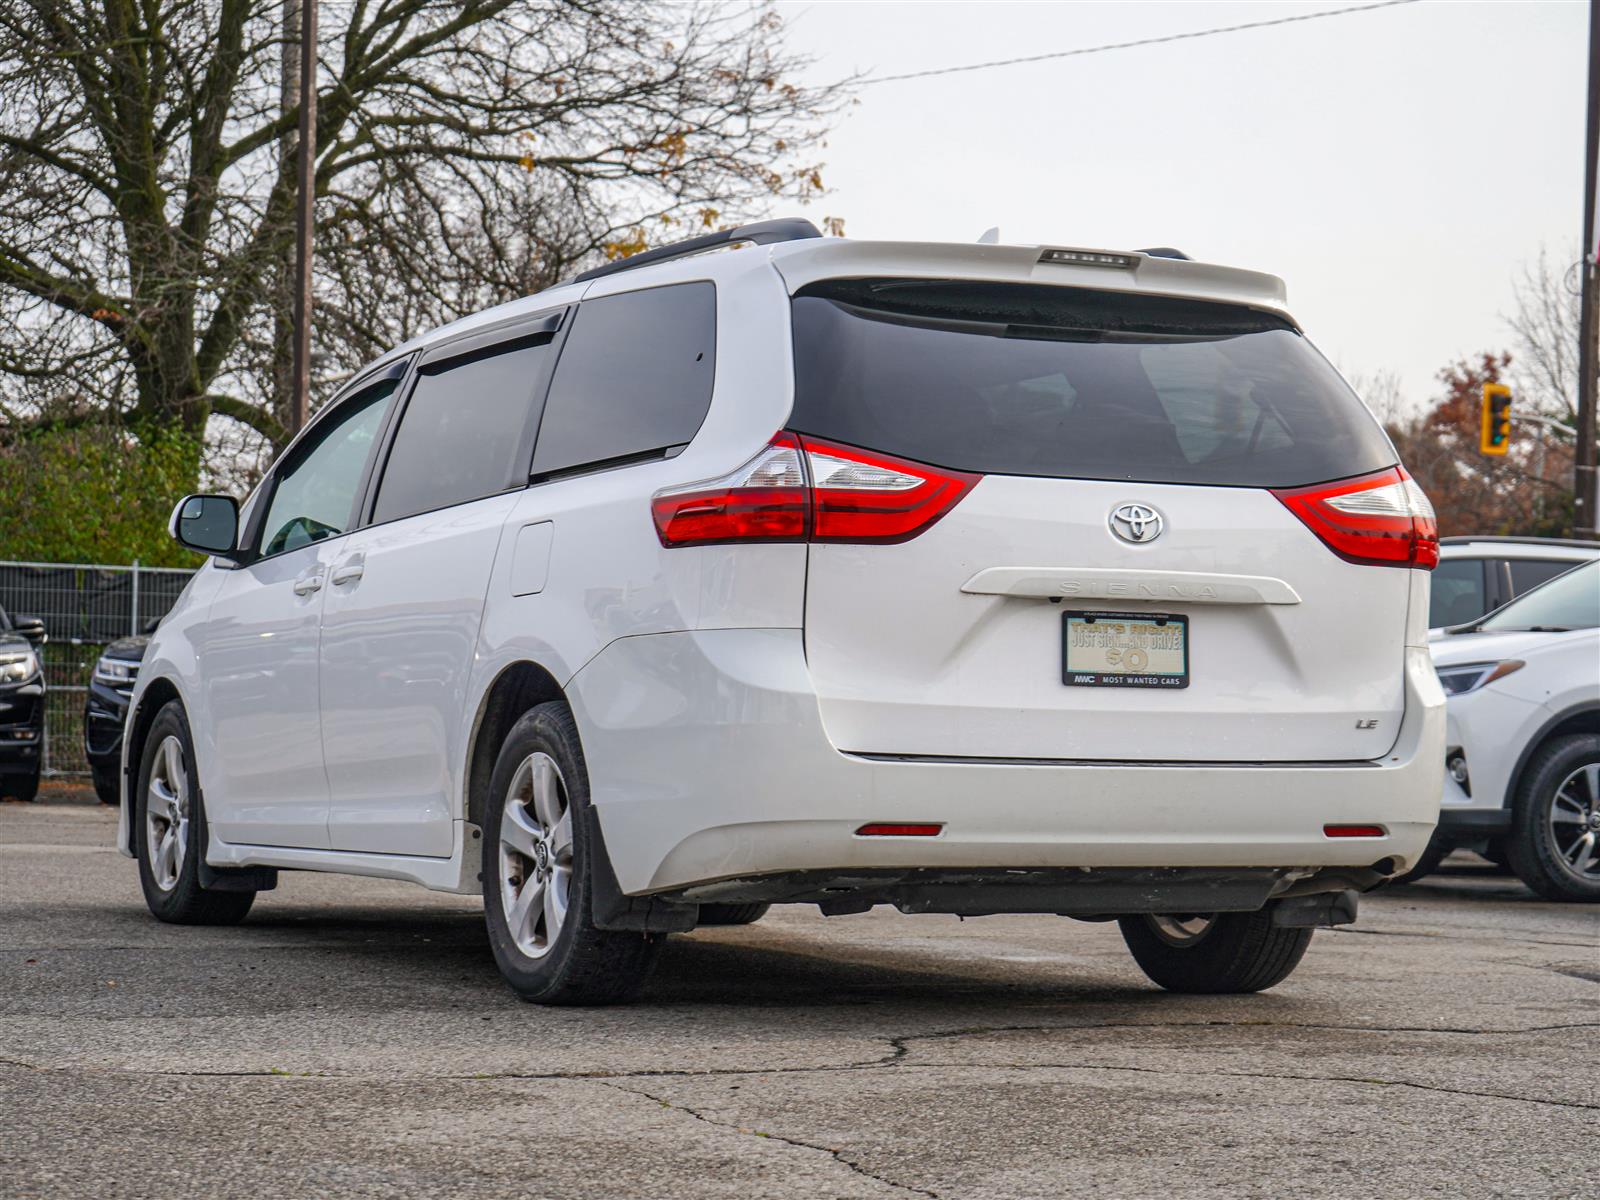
[[802, 489], [1353, 831], [884, 829], [1383, 519]]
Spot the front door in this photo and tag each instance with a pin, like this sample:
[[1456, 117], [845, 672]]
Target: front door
[[261, 744]]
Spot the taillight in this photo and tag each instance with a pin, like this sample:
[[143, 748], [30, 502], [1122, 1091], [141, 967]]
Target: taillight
[[765, 500], [1383, 519], [805, 489]]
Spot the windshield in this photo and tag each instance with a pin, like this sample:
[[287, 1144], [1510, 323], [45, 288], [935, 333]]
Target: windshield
[[1025, 379], [1570, 601]]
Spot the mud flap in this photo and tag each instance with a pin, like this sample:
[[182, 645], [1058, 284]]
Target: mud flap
[[614, 910]]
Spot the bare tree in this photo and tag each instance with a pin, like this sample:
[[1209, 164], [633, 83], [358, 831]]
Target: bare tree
[[470, 151], [1545, 332]]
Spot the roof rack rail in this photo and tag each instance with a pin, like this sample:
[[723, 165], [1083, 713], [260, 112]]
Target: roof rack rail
[[1462, 539], [762, 233], [1164, 252]]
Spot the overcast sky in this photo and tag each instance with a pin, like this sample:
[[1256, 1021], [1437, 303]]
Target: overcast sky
[[1396, 167]]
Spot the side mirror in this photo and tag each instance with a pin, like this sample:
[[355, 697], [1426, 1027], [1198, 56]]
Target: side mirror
[[31, 628], [209, 524]]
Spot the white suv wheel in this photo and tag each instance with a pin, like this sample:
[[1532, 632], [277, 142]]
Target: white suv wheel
[[167, 814], [536, 855]]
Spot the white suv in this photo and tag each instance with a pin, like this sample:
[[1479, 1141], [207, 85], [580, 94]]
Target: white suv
[[964, 578]]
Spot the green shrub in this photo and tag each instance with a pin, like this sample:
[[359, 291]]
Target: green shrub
[[94, 494]]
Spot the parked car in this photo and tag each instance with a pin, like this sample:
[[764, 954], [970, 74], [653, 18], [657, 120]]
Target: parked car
[[1477, 575], [22, 693], [105, 711], [1522, 746], [968, 579]]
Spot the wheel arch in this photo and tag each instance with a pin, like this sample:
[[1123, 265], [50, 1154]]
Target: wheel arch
[[518, 687], [156, 695], [1580, 718]]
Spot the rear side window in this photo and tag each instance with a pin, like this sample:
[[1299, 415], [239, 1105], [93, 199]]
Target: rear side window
[[634, 378], [1458, 594], [461, 430], [1021, 379], [1529, 573]]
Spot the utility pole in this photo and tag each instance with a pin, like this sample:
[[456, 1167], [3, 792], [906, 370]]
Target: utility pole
[[1584, 517], [300, 388]]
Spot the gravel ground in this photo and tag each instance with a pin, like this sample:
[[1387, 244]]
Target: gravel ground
[[352, 1038]]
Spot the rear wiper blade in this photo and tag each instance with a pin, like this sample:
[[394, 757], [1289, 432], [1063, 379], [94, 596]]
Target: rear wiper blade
[[1534, 629]]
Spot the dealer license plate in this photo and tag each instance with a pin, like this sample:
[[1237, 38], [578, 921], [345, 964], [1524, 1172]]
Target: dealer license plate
[[1108, 649]]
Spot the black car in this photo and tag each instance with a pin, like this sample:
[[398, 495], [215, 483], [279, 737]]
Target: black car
[[21, 705], [110, 689]]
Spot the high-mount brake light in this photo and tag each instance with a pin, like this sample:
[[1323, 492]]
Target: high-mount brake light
[[1383, 519], [805, 489], [1089, 258]]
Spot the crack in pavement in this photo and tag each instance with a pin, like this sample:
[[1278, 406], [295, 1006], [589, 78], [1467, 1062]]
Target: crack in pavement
[[834, 1152], [899, 1049]]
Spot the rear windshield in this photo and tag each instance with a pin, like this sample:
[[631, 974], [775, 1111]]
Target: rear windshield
[[1022, 379]]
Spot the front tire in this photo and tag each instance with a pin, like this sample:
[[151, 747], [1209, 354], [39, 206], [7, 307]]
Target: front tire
[[20, 787], [105, 786], [1214, 952], [169, 829], [1554, 845], [539, 850]]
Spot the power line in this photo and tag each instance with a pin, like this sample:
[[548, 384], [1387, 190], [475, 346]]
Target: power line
[[1154, 41]]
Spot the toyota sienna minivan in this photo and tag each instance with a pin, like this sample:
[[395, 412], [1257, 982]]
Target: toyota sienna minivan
[[774, 568]]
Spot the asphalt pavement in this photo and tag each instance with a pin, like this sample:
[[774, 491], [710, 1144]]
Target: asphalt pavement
[[352, 1038]]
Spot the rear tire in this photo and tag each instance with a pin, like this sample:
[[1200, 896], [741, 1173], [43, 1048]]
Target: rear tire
[[169, 830], [539, 848], [106, 786], [732, 914], [1554, 845], [1213, 953]]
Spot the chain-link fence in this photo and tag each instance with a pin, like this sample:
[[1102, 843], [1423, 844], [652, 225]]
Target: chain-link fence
[[84, 607]]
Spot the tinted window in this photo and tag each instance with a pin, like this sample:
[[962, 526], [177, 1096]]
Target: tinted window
[[461, 430], [1458, 593], [634, 377], [1529, 573], [314, 493], [1027, 380], [1570, 601]]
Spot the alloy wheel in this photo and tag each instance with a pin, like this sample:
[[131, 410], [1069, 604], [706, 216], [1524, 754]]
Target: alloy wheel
[[1181, 929], [1573, 822], [536, 855], [166, 814]]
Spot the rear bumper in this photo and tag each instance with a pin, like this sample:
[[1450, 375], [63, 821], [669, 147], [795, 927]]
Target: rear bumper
[[708, 762]]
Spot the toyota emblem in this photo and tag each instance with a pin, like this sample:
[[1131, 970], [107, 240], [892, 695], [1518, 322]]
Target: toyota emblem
[[1136, 523]]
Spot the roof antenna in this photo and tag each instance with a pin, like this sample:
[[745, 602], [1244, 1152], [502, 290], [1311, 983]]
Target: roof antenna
[[991, 237]]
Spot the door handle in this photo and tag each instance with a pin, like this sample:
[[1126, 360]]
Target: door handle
[[307, 584], [350, 570]]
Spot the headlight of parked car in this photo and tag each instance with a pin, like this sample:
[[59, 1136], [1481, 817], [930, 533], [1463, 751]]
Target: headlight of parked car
[[17, 665], [1462, 678], [118, 672]]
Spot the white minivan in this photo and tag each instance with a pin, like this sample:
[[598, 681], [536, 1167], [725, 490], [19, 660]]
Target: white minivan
[[773, 568]]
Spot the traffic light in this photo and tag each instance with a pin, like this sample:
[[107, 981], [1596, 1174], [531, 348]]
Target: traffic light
[[1496, 436]]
